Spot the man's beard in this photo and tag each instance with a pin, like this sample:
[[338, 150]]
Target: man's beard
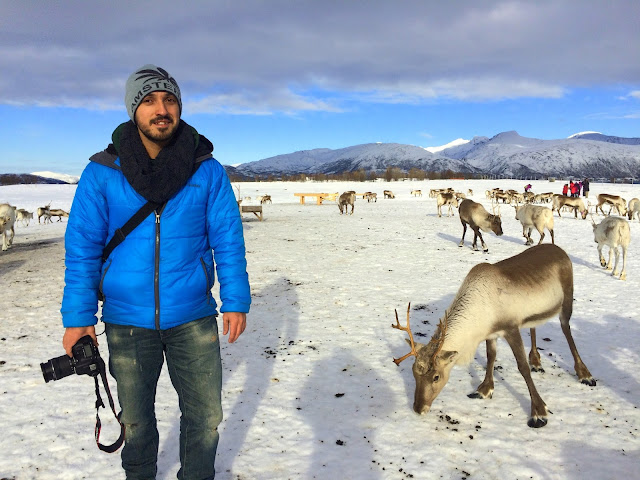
[[160, 134]]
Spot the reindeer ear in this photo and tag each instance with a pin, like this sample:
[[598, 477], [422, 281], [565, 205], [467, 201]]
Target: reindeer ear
[[447, 357], [418, 345]]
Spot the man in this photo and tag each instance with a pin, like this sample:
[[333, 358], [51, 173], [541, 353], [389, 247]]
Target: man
[[585, 188], [156, 284]]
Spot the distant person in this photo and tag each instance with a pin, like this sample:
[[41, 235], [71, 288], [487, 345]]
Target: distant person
[[156, 284], [585, 188], [565, 189], [575, 191], [527, 187]]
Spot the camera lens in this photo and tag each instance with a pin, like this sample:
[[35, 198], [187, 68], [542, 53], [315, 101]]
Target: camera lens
[[57, 368]]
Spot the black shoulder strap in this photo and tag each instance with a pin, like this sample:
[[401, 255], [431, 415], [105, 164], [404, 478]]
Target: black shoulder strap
[[128, 227], [137, 218]]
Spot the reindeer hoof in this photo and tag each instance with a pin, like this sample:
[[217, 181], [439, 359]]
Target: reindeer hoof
[[537, 422], [479, 395], [535, 368], [589, 381]]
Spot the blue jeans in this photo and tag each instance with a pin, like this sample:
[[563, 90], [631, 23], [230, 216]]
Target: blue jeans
[[136, 356]]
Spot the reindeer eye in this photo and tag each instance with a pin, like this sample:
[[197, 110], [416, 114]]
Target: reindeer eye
[[436, 378]]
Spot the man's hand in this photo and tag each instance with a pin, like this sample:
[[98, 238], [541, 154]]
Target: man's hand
[[234, 324], [73, 334]]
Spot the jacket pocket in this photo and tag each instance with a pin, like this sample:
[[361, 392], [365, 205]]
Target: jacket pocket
[[104, 274], [207, 279]]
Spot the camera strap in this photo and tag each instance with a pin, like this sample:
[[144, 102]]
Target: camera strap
[[99, 403]]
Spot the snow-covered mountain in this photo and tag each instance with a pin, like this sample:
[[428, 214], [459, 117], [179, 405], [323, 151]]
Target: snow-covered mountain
[[58, 176], [586, 154]]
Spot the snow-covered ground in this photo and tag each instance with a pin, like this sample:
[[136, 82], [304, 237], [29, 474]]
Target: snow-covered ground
[[310, 389]]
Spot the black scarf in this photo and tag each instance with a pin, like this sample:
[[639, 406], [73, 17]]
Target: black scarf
[[159, 179]]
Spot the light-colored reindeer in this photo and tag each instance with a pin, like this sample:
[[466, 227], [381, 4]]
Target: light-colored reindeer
[[448, 199], [7, 224], [615, 233], [497, 300], [534, 216], [44, 211], [474, 214], [615, 201], [634, 209]]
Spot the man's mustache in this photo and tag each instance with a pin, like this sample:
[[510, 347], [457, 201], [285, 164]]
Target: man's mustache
[[166, 118]]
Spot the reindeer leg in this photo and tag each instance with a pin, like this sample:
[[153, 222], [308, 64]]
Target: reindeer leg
[[610, 258], [529, 239], [616, 251], [600, 256], [584, 375], [539, 410], [552, 239], [485, 389], [623, 274], [534, 355], [474, 245], [479, 235], [464, 232], [542, 236]]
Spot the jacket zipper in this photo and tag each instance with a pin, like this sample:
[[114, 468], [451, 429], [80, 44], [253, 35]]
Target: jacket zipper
[[156, 274]]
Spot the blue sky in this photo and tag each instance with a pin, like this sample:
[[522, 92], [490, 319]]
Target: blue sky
[[263, 78]]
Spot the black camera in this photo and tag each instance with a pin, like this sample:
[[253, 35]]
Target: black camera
[[86, 360]]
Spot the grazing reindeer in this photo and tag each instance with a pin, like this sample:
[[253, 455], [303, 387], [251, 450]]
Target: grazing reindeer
[[448, 199], [346, 199], [531, 216], [56, 212], [371, 197], [7, 224], [416, 193], [613, 232], [388, 194], [577, 204], [617, 202], [497, 300], [265, 199], [634, 209], [474, 215]]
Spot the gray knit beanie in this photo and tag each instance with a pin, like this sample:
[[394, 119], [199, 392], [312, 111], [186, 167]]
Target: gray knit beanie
[[145, 80]]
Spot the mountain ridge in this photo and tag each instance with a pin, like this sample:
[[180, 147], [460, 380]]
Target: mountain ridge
[[587, 154]]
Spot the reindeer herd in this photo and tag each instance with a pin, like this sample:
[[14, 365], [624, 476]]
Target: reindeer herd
[[11, 215], [523, 291]]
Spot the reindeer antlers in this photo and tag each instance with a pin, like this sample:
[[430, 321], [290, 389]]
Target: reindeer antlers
[[408, 330]]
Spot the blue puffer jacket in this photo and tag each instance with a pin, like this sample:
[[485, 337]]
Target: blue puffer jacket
[[161, 275]]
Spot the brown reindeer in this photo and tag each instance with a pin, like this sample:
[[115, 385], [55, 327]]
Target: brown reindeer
[[474, 215], [497, 300], [346, 199], [576, 203]]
